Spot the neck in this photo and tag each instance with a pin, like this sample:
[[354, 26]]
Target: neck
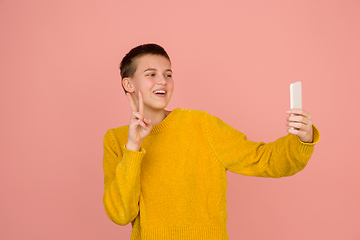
[[156, 116]]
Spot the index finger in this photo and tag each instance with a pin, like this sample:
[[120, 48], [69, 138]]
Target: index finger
[[141, 104], [299, 112], [132, 102]]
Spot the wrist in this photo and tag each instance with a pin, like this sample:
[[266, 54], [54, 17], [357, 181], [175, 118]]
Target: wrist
[[133, 146]]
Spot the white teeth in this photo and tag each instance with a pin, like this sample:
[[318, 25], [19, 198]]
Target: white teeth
[[160, 91]]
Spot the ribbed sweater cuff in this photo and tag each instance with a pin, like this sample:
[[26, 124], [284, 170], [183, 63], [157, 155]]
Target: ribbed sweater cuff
[[133, 158], [307, 148]]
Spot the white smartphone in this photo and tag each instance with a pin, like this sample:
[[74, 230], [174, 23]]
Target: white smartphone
[[295, 95]]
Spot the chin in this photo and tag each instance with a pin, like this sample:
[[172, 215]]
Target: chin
[[160, 105]]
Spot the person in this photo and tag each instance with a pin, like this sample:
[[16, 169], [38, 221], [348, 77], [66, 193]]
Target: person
[[165, 172]]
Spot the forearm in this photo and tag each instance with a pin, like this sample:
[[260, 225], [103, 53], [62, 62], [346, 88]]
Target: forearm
[[121, 179], [284, 157], [121, 196]]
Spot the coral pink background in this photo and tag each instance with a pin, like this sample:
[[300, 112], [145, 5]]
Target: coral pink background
[[60, 92]]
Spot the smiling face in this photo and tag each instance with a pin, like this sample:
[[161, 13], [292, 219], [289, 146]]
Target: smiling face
[[153, 77]]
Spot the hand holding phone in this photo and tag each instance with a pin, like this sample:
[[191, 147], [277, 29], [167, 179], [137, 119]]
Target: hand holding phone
[[299, 121]]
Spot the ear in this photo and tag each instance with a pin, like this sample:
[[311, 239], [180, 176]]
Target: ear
[[127, 85]]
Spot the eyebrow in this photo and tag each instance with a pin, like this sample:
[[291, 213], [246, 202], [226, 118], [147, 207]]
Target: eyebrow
[[154, 69]]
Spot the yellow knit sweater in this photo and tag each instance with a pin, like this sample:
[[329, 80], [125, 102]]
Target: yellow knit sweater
[[175, 187]]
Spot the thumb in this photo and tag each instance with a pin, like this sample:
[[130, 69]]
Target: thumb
[[147, 120]]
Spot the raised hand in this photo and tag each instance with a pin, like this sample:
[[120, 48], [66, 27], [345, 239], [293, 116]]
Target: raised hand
[[139, 126], [299, 123]]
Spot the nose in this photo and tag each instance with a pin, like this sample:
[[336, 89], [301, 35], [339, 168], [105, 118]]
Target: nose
[[161, 80]]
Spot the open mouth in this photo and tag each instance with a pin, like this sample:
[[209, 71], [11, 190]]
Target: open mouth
[[160, 92]]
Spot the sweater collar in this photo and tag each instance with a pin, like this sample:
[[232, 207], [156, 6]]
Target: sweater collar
[[164, 123]]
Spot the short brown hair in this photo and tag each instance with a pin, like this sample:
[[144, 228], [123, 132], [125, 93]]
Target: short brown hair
[[127, 66]]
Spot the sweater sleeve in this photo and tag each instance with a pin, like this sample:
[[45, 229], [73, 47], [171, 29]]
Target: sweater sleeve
[[121, 180], [283, 157]]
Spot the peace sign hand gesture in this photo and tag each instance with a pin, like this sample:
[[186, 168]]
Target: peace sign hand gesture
[[139, 126]]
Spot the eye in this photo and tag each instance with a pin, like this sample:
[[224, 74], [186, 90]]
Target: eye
[[151, 75], [168, 75]]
